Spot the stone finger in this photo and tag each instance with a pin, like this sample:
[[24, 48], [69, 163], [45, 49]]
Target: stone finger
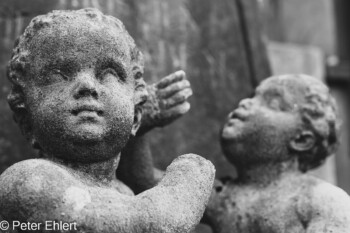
[[172, 78], [176, 99], [177, 111], [173, 89]]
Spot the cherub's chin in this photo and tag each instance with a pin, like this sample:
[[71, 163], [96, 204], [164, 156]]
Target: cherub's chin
[[229, 132], [88, 132]]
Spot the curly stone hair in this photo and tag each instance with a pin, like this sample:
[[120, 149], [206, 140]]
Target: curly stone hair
[[319, 115], [17, 69]]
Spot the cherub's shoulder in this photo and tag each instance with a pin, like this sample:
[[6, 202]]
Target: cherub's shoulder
[[31, 176], [320, 198], [32, 185], [32, 164], [30, 168], [320, 190], [325, 192]]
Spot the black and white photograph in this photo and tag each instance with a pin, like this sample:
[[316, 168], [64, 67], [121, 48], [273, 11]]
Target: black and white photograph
[[174, 116]]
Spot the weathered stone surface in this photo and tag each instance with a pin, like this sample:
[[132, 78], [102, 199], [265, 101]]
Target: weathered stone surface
[[289, 127], [287, 58], [312, 24], [77, 93]]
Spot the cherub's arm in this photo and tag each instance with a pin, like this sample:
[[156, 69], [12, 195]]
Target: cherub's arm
[[326, 210], [39, 191], [167, 102], [136, 168]]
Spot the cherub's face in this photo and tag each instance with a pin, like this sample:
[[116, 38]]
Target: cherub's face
[[261, 127], [80, 94]]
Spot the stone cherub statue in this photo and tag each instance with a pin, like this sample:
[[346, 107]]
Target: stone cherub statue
[[77, 95], [289, 127]]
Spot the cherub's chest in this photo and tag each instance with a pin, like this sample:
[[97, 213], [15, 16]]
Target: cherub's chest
[[251, 210]]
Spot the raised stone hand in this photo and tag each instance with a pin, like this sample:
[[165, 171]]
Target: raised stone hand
[[167, 101]]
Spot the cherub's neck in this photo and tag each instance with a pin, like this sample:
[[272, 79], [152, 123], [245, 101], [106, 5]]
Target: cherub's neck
[[101, 172], [267, 173]]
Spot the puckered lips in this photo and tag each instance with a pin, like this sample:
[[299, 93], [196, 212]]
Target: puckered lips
[[238, 114], [234, 121]]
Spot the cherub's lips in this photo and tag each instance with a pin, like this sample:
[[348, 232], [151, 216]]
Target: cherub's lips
[[86, 108], [237, 114]]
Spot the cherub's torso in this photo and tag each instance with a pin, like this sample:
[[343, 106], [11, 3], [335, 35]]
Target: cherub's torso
[[251, 208], [86, 182]]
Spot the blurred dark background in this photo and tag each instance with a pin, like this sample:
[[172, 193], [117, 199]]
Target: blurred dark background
[[226, 48]]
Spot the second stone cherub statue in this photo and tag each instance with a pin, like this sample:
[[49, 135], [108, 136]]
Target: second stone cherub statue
[[77, 95], [289, 127]]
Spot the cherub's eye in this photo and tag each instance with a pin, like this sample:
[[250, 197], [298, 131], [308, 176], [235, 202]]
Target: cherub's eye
[[53, 76], [59, 74], [109, 72]]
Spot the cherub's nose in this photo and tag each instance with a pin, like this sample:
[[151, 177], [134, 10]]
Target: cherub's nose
[[245, 103], [85, 86]]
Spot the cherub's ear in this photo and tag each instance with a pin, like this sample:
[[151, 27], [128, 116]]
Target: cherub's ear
[[141, 93], [304, 141], [137, 120], [137, 72]]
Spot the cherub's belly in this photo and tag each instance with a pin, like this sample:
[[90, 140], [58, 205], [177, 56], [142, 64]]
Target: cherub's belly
[[250, 213], [247, 222]]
